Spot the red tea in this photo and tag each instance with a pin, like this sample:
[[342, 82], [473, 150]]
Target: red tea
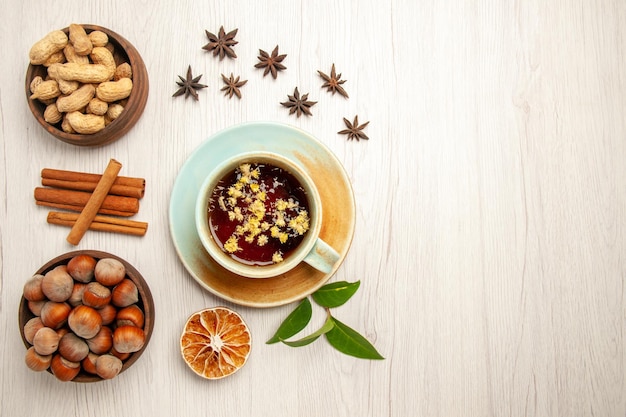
[[258, 214]]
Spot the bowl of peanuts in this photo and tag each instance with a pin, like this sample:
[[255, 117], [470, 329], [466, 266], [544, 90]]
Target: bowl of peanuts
[[86, 85], [85, 316]]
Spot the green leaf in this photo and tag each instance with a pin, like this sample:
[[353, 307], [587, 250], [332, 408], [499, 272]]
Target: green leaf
[[335, 294], [350, 342], [326, 327], [296, 321]]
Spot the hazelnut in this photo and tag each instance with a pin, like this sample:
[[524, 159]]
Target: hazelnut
[[35, 307], [108, 313], [84, 321], [125, 293], [62, 332], [128, 339], [35, 361], [54, 314], [122, 356], [130, 316], [63, 369], [32, 289], [46, 341], [76, 298], [108, 366], [101, 342], [31, 327], [96, 295], [57, 284], [109, 271], [89, 363], [81, 268], [73, 348]]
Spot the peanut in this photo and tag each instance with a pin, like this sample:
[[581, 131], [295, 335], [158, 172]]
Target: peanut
[[55, 58], [77, 100], [98, 38], [65, 125], [52, 114], [35, 82], [114, 111], [72, 56], [97, 106], [123, 70], [86, 124], [84, 73], [111, 91], [101, 55], [48, 45], [46, 90], [68, 87], [80, 40]]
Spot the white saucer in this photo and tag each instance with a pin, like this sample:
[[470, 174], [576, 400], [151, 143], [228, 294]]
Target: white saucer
[[322, 165]]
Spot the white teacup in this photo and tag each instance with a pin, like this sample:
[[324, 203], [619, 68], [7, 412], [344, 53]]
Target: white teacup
[[312, 250]]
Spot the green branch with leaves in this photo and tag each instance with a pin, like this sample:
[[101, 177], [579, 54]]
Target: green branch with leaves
[[340, 336]]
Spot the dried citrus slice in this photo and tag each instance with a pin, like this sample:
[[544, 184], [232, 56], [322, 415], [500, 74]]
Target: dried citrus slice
[[215, 342]]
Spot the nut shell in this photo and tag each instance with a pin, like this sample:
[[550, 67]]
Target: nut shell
[[55, 314], [128, 339], [57, 284], [35, 361], [130, 316], [109, 271], [31, 327], [82, 267], [108, 366], [46, 341], [125, 293], [73, 348], [96, 295], [108, 314], [84, 321], [102, 342], [89, 363], [32, 288], [63, 369]]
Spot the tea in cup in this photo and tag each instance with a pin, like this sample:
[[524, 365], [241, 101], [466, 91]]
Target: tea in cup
[[259, 215]]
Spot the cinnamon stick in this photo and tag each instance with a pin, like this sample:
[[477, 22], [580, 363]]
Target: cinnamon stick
[[112, 204], [95, 201], [101, 223], [80, 208], [116, 189], [59, 174]]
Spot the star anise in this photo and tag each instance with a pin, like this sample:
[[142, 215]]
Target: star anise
[[354, 130], [333, 82], [299, 104], [222, 43], [232, 85], [271, 63], [189, 85]]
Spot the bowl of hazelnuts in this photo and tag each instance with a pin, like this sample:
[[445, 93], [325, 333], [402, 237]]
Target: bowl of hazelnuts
[[85, 316], [85, 84]]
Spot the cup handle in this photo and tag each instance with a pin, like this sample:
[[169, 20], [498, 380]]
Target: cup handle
[[322, 257]]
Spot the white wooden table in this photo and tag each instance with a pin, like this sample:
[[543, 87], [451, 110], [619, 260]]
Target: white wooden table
[[489, 241]]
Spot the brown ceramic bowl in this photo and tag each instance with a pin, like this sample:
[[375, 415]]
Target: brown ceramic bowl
[[124, 52], [146, 303]]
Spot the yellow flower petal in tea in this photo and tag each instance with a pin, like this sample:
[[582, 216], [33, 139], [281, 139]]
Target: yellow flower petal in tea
[[232, 245], [281, 204]]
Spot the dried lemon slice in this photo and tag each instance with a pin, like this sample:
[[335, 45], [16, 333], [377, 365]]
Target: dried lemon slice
[[215, 342]]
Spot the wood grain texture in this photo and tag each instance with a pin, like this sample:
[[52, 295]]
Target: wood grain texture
[[491, 204]]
